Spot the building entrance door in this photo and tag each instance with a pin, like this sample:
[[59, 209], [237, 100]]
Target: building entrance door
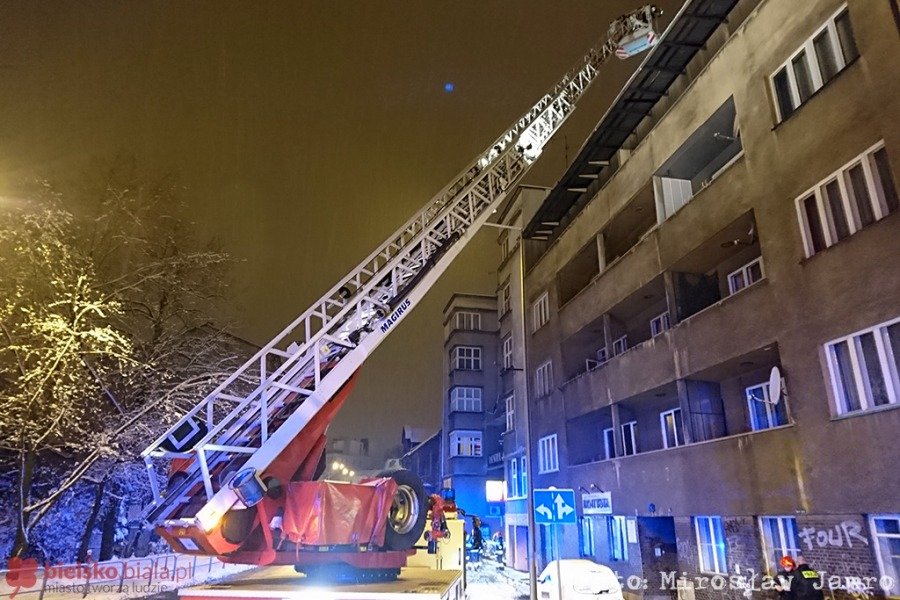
[[659, 554]]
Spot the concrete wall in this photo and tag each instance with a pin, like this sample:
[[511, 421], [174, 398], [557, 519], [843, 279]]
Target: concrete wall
[[823, 466]]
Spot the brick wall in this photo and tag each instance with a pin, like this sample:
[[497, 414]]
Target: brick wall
[[838, 546]]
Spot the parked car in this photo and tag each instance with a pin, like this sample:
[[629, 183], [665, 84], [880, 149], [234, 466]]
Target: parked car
[[582, 579]]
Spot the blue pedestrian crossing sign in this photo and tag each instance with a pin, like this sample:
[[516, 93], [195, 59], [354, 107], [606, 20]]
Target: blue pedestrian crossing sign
[[554, 507]]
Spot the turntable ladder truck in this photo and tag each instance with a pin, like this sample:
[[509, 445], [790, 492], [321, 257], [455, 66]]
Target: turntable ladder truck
[[254, 447]]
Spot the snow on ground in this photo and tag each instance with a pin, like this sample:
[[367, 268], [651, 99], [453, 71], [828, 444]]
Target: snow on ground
[[489, 580]]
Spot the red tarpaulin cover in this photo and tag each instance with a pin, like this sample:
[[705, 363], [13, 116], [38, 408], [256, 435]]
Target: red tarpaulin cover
[[324, 513]]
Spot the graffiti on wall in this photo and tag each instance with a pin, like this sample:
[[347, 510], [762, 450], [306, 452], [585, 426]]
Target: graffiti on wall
[[844, 534]]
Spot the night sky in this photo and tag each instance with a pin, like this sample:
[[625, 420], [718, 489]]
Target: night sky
[[306, 132]]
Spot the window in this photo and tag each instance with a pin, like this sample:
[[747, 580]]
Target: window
[[465, 399], [467, 358], [512, 479], [764, 413], [602, 356], [505, 298], [618, 537], [659, 324], [543, 380], [858, 194], [779, 539], [541, 311], [507, 353], [620, 345], [504, 246], [672, 428], [523, 475], [822, 56], [629, 438], [711, 544], [609, 443], [511, 412], [586, 533], [886, 533], [864, 367], [465, 443], [548, 459], [468, 320], [746, 276]]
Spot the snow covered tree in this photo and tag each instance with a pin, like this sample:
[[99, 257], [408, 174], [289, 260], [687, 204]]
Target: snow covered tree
[[54, 318], [110, 332]]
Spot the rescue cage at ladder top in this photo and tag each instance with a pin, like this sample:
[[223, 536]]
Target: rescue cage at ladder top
[[252, 452]]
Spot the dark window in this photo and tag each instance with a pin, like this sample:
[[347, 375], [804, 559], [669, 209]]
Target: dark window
[[845, 33], [783, 94], [887, 180], [816, 234], [861, 195], [836, 207], [801, 74], [825, 55]]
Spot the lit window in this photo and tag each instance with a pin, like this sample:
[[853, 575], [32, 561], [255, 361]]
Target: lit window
[[465, 399], [468, 320], [746, 276], [658, 324], [467, 358], [779, 540], [765, 412], [493, 491], [548, 459], [822, 56], [523, 476], [510, 412], [507, 352], [512, 479], [629, 438], [672, 428], [618, 537], [858, 194], [541, 311], [543, 380], [864, 368], [465, 443], [586, 533], [886, 533], [711, 544]]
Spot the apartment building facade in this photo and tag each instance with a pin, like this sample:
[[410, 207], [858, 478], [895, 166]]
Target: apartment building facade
[[473, 421], [511, 373], [713, 323]]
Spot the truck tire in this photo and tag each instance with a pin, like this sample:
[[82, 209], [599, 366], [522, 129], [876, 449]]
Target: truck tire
[[406, 520]]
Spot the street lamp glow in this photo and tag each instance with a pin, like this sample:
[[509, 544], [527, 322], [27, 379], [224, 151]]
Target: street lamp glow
[[352, 473], [345, 470], [335, 465]]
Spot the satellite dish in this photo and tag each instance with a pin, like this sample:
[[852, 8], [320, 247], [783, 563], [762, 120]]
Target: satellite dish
[[776, 386]]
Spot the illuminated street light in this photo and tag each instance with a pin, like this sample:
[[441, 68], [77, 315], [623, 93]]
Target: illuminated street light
[[335, 466], [352, 473]]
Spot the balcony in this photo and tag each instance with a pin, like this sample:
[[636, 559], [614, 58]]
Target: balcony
[[621, 278], [746, 473]]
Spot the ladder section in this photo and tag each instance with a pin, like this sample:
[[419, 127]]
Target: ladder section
[[252, 415]]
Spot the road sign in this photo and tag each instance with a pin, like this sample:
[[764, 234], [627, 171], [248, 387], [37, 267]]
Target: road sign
[[554, 507]]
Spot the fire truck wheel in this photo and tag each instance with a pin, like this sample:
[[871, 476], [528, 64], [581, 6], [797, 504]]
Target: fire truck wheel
[[406, 520]]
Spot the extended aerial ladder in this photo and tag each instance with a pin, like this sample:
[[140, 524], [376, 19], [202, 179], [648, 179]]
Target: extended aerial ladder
[[260, 435]]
